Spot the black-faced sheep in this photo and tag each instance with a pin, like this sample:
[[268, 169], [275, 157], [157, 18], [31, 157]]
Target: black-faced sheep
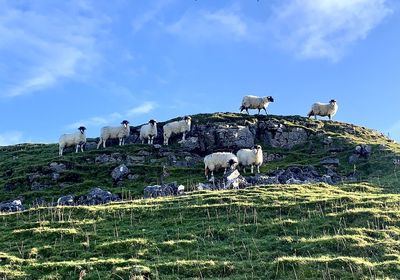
[[251, 157], [109, 132], [218, 160], [148, 131], [324, 109], [77, 139], [255, 102], [181, 126]]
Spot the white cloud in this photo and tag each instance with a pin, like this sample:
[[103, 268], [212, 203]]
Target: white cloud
[[198, 26], [325, 28], [10, 138], [141, 109], [42, 46], [113, 118]]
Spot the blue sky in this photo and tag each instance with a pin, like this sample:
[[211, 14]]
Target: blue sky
[[96, 63]]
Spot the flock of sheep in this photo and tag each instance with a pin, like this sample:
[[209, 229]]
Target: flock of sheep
[[245, 157]]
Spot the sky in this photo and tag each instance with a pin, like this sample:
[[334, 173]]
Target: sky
[[95, 62]]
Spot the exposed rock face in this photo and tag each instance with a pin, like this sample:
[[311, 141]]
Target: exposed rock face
[[120, 172], [163, 190], [67, 200], [360, 152], [57, 167], [11, 206], [97, 196]]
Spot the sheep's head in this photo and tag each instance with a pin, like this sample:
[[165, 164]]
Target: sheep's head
[[333, 101], [232, 163], [188, 119], [82, 129], [257, 148], [268, 99], [125, 123], [152, 122]]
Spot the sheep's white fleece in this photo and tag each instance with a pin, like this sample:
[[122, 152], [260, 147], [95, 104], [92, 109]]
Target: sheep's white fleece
[[323, 109], [72, 139], [181, 126], [148, 131], [218, 160], [111, 132], [250, 157]]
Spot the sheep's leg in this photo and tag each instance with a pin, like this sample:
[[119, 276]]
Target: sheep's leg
[[77, 148], [259, 110], [225, 171], [60, 151], [151, 140], [330, 118], [120, 141], [265, 111], [247, 110], [252, 169], [165, 140], [258, 169], [184, 136], [98, 144], [315, 116], [244, 169], [104, 143]]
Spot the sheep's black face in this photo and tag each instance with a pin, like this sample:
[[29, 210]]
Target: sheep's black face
[[257, 147], [232, 162], [82, 129], [152, 122], [332, 101], [187, 118], [125, 123], [270, 99]]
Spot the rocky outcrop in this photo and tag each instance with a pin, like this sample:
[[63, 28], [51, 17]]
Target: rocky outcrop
[[97, 196], [11, 206], [120, 172], [360, 152], [171, 189]]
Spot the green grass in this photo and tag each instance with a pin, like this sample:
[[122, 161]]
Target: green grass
[[348, 231]]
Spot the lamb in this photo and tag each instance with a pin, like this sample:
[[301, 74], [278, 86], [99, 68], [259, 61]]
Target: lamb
[[181, 126], [109, 132], [148, 131], [77, 138], [324, 109], [218, 160], [255, 102], [250, 157]]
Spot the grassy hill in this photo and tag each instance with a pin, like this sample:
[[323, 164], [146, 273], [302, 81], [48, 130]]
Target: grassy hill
[[312, 231]]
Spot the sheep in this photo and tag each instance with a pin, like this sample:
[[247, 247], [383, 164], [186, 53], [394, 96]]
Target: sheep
[[250, 157], [218, 160], [181, 126], [148, 131], [109, 132], [77, 138], [324, 109], [255, 102]]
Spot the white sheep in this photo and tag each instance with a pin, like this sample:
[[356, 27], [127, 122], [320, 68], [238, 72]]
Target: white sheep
[[324, 109], [250, 157], [181, 126], [255, 102], [109, 132], [218, 160], [72, 139], [148, 131]]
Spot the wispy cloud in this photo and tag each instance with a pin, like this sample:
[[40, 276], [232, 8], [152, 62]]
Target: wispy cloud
[[10, 138], [42, 45], [203, 25], [112, 118], [325, 28], [142, 109]]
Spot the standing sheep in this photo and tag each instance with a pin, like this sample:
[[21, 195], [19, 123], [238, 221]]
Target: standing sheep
[[255, 102], [250, 157], [77, 138], [181, 126], [324, 109], [218, 160], [109, 132], [148, 131]]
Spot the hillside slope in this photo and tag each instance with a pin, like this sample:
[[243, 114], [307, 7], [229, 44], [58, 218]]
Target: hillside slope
[[350, 230]]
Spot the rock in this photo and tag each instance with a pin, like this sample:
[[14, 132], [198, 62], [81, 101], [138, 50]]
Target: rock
[[113, 158], [163, 190], [89, 146], [102, 158], [97, 196], [234, 180], [11, 206], [9, 187], [363, 151], [33, 177], [57, 167], [190, 144], [353, 158], [135, 160], [143, 153], [278, 135], [133, 177], [38, 202], [157, 146], [37, 186], [67, 200], [120, 172], [272, 157], [234, 137], [55, 176], [327, 141], [330, 161]]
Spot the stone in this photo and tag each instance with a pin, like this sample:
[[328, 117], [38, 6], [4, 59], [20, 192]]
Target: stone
[[163, 190], [102, 158], [67, 200], [353, 158], [143, 153], [133, 177], [37, 186], [330, 161], [11, 206], [120, 172], [57, 167], [234, 137], [55, 176], [97, 196], [190, 144]]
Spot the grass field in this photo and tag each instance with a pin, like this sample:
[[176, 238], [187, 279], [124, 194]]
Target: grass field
[[318, 231]]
